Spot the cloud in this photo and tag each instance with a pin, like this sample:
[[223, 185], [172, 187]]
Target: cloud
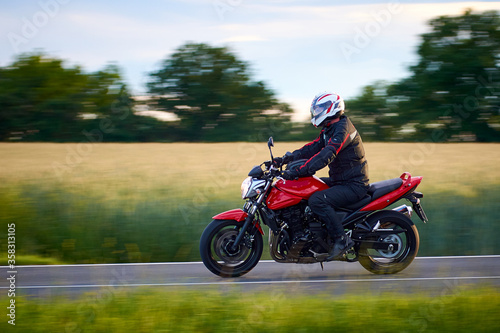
[[292, 45], [242, 38]]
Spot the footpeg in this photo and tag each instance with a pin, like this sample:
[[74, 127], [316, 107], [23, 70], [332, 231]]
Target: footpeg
[[319, 256]]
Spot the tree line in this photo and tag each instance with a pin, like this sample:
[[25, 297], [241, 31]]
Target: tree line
[[451, 95]]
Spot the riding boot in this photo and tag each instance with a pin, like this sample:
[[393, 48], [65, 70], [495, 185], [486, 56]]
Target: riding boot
[[340, 246]]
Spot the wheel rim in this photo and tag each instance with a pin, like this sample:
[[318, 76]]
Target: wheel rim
[[223, 248], [216, 248], [390, 253], [388, 257]]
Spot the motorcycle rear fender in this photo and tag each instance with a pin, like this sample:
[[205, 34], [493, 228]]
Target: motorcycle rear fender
[[367, 227], [375, 217], [237, 215]]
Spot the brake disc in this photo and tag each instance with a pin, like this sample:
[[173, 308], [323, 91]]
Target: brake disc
[[223, 249], [390, 253]]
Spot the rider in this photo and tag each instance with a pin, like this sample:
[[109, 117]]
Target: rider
[[340, 147]]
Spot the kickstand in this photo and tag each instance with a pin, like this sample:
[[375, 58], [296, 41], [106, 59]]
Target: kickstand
[[322, 268]]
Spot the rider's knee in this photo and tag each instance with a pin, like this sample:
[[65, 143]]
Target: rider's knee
[[317, 200]]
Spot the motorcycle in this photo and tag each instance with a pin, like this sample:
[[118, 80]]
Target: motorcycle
[[385, 240]]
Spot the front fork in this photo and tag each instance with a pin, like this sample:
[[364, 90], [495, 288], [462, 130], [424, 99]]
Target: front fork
[[252, 210], [248, 221]]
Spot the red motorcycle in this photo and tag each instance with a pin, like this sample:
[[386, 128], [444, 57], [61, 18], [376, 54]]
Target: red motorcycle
[[385, 240]]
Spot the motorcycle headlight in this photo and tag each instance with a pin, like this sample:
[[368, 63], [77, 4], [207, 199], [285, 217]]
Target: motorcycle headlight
[[252, 187], [245, 186]]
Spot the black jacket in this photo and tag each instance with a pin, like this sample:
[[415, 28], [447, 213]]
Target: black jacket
[[340, 147]]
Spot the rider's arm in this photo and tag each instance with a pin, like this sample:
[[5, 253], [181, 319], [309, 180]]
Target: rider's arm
[[340, 138], [308, 150]]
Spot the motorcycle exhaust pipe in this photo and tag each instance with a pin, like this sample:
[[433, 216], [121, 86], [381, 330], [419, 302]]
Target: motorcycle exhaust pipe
[[407, 210]]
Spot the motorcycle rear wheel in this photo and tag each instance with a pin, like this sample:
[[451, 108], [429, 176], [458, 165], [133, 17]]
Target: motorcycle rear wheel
[[216, 252], [387, 261]]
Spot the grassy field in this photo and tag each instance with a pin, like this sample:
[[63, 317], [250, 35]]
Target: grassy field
[[92, 203], [153, 310]]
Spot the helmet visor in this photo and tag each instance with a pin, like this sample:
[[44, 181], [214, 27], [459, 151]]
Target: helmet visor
[[317, 109]]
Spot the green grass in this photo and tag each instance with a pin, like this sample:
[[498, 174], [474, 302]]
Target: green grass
[[80, 228], [151, 310], [76, 228], [150, 202], [28, 259]]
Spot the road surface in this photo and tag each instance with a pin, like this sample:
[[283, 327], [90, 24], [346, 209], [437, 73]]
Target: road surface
[[431, 274]]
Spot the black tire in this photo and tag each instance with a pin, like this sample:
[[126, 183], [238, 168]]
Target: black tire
[[215, 248], [387, 262]]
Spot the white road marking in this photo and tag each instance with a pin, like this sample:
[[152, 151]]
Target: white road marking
[[461, 257], [199, 262], [180, 284]]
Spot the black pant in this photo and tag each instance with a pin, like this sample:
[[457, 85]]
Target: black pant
[[322, 203]]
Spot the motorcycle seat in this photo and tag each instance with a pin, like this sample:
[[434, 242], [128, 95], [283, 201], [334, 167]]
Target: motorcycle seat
[[375, 191], [378, 189]]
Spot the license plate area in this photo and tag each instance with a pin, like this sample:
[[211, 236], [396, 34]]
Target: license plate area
[[414, 198], [417, 208]]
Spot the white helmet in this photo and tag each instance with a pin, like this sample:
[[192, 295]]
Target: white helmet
[[326, 106]]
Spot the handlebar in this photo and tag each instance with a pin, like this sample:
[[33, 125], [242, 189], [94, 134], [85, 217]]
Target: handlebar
[[273, 169]]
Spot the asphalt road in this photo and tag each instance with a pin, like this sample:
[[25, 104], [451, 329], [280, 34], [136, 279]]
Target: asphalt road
[[431, 274]]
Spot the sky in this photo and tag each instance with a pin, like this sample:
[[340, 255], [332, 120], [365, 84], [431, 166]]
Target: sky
[[297, 47]]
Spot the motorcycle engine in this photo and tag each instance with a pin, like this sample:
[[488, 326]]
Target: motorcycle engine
[[294, 218], [300, 236], [306, 233]]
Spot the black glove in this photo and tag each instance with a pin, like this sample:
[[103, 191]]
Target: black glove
[[290, 174], [287, 158], [279, 161]]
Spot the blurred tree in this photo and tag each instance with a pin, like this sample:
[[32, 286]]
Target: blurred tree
[[211, 92], [372, 114], [42, 100], [458, 76], [453, 93], [37, 95]]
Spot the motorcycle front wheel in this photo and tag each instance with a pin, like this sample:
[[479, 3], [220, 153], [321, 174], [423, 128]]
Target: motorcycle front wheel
[[217, 253]]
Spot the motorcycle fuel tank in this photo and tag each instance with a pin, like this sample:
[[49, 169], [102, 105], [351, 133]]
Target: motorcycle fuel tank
[[302, 187], [291, 192]]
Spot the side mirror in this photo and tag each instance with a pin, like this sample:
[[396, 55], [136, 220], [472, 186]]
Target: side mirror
[[270, 142]]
